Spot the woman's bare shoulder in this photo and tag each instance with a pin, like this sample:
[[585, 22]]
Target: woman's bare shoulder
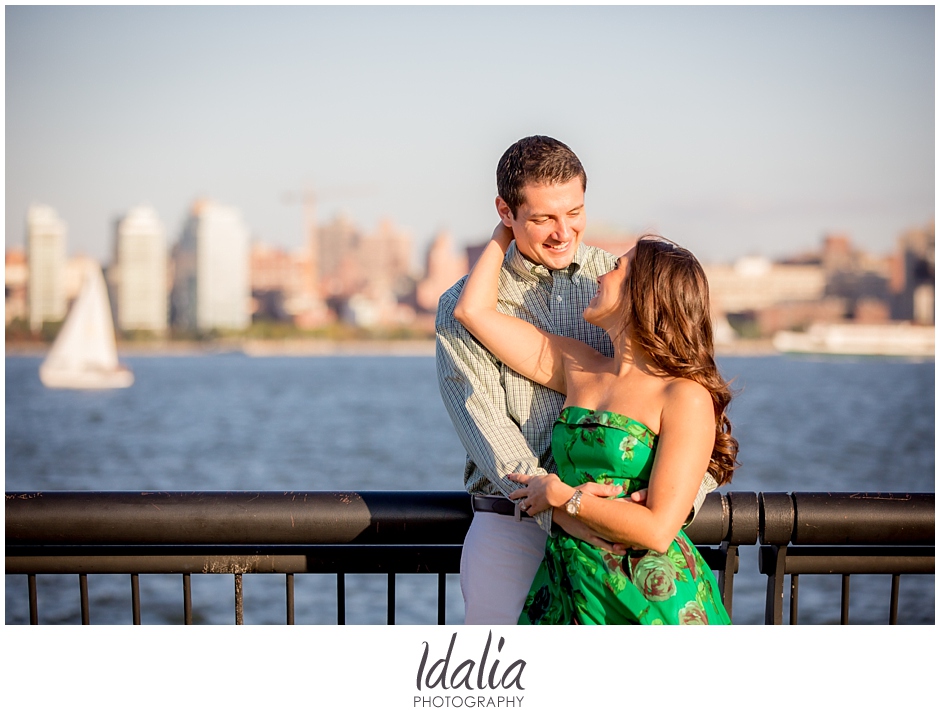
[[684, 393]]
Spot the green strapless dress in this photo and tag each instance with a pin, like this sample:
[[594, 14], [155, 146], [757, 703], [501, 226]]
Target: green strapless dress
[[578, 583]]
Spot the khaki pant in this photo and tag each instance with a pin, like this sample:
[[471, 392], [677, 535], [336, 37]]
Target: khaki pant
[[499, 560]]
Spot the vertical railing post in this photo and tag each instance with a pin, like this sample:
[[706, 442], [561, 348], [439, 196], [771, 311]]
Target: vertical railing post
[[895, 587], [726, 575], [794, 598], [441, 597], [845, 600], [290, 599], [187, 599], [83, 591], [33, 600], [773, 562], [239, 601], [135, 598], [340, 598]]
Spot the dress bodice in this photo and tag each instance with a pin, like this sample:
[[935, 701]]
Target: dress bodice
[[604, 447]]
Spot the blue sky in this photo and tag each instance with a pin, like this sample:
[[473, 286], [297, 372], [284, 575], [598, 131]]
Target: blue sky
[[732, 130]]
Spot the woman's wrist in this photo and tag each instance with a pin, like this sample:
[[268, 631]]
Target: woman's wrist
[[560, 494], [503, 236]]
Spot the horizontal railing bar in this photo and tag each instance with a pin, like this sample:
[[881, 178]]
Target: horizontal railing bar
[[114, 559], [847, 560], [402, 517], [863, 518], [399, 559], [237, 517], [886, 564], [265, 517]]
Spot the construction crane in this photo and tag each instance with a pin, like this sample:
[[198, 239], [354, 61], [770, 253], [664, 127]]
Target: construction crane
[[308, 197]]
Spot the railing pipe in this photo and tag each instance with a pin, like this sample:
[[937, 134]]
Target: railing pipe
[[232, 518], [415, 517], [863, 518]]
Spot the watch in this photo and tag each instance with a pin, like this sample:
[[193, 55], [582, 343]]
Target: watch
[[573, 506]]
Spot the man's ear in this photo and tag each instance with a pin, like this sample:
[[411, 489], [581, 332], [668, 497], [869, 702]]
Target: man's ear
[[505, 214]]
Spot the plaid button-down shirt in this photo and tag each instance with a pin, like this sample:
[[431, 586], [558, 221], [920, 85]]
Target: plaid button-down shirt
[[503, 419]]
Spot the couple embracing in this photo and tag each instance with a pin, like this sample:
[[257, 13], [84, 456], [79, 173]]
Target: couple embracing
[[585, 392]]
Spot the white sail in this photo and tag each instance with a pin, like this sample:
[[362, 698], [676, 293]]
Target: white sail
[[84, 355]]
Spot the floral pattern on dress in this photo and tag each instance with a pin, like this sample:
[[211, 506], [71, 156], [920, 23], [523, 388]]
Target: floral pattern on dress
[[578, 583]]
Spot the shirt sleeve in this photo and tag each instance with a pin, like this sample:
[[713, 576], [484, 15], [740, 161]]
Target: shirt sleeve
[[708, 485], [471, 387]]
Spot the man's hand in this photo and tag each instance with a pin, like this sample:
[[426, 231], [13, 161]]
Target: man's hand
[[580, 530]]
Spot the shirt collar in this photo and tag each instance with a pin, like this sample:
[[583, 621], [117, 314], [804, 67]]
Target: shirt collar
[[530, 271]]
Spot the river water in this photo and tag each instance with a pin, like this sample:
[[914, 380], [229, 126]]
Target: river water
[[230, 422]]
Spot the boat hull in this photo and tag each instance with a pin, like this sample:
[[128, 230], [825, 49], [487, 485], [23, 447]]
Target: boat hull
[[118, 379], [894, 340]]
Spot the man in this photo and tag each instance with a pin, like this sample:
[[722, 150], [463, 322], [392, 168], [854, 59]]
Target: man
[[504, 420]]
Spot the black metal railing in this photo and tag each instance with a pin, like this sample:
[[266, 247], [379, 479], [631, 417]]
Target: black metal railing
[[394, 533]]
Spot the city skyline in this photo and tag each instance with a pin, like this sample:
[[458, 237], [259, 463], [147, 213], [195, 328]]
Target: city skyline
[[736, 130]]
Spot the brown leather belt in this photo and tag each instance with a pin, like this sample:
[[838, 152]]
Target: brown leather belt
[[497, 504]]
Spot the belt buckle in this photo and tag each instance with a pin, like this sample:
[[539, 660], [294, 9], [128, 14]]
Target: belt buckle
[[517, 511]]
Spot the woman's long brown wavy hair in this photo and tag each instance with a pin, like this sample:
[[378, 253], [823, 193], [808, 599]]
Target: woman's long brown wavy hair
[[666, 306]]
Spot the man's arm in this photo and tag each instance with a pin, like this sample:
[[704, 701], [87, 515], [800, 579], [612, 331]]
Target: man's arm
[[471, 388]]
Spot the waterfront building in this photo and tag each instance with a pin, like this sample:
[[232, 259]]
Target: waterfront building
[[860, 279], [385, 259], [45, 244], [753, 283], [338, 244], [282, 286], [366, 279], [443, 269], [914, 279], [211, 284], [140, 272], [16, 282]]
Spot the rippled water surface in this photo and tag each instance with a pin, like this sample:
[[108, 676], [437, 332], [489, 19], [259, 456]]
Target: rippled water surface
[[376, 423]]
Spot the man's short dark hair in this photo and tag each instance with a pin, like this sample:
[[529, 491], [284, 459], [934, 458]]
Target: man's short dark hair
[[536, 160]]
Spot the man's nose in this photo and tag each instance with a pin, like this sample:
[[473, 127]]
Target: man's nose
[[563, 229]]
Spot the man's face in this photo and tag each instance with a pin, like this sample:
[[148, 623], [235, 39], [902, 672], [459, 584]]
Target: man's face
[[549, 223]]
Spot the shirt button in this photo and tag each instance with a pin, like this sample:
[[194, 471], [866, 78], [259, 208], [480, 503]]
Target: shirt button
[[558, 298]]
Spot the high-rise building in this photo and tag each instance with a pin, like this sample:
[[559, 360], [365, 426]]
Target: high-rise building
[[339, 272], [915, 281], [211, 286], [140, 256], [16, 283], [45, 244], [443, 269]]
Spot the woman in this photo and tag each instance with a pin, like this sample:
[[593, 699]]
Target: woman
[[653, 416]]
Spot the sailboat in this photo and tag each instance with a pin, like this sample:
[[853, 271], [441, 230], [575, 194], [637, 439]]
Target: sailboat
[[84, 354]]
